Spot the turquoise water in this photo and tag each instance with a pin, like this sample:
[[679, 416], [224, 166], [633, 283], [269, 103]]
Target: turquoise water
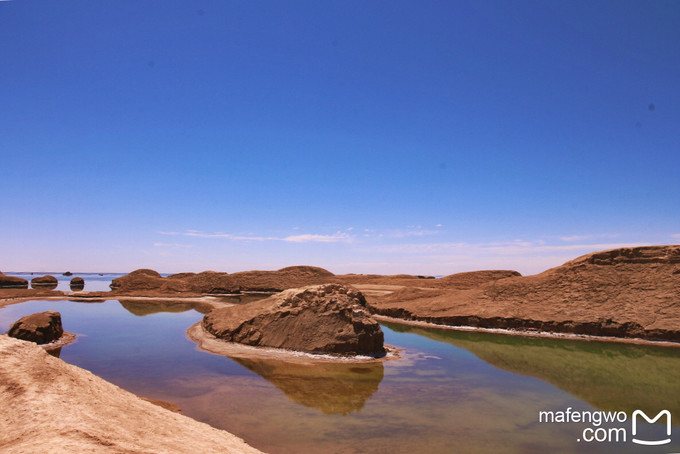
[[450, 392]]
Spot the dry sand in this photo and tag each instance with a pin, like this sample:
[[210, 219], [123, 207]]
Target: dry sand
[[49, 406]]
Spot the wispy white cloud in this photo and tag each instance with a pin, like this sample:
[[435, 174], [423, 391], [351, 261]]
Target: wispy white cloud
[[411, 233], [528, 257], [517, 247], [172, 245], [302, 238], [311, 238], [575, 237], [227, 236], [676, 236], [408, 232], [570, 238], [532, 249]]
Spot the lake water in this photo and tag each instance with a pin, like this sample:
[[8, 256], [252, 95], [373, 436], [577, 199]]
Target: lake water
[[451, 392]]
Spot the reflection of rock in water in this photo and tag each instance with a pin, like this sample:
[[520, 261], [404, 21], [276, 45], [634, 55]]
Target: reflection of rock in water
[[141, 308], [332, 387], [610, 376]]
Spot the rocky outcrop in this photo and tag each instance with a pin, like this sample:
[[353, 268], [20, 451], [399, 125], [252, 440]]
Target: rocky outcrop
[[142, 279], [472, 279], [67, 273], [211, 282], [12, 282], [41, 328], [51, 406], [329, 318], [149, 282], [47, 281], [631, 292], [637, 255], [285, 278], [77, 283]]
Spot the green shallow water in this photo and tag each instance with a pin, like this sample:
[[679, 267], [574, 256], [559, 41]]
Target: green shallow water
[[451, 392]]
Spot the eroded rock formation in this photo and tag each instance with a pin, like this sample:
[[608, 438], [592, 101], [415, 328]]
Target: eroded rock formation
[[41, 328], [328, 318], [12, 282], [629, 292], [77, 283], [213, 282], [47, 281]]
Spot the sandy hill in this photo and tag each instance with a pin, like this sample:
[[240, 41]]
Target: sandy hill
[[631, 292]]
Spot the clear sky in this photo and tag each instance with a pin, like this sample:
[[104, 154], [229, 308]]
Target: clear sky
[[360, 136]]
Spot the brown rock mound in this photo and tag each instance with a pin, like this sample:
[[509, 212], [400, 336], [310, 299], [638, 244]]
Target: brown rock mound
[[631, 292], [41, 328], [47, 281], [12, 281], [637, 255], [472, 279], [329, 318], [285, 278], [213, 282], [143, 279], [77, 283]]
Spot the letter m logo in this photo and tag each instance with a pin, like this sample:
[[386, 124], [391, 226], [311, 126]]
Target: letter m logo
[[665, 413]]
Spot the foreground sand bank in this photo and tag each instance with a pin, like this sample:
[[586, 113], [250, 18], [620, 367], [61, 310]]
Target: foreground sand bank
[[48, 405]]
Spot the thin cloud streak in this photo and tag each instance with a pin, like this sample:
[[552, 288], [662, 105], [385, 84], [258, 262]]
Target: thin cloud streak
[[588, 237], [509, 248], [317, 238], [173, 245], [303, 238], [452, 257], [412, 233], [226, 236]]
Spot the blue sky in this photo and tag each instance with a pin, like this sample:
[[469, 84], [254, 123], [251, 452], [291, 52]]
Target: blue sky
[[384, 136]]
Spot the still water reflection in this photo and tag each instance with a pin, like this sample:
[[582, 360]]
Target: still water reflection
[[333, 388], [610, 376], [451, 391]]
